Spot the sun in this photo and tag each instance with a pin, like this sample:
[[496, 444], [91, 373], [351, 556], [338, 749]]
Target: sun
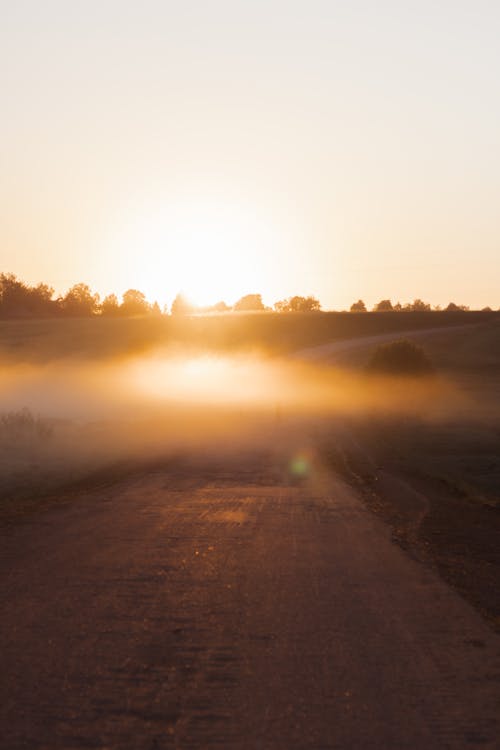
[[208, 251], [212, 250]]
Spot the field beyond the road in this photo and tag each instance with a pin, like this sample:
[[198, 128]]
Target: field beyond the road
[[86, 402], [273, 333], [191, 553]]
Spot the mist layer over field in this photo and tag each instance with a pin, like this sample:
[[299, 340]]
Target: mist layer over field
[[65, 419], [70, 411], [174, 384]]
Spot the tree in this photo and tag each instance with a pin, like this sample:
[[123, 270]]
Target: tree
[[384, 305], [19, 299], [80, 301], [298, 304], [358, 306], [110, 306], [134, 303], [452, 307], [419, 306], [13, 294], [180, 306], [41, 300], [248, 303], [305, 304]]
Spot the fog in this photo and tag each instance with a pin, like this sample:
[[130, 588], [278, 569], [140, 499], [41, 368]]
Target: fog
[[177, 383], [65, 419]]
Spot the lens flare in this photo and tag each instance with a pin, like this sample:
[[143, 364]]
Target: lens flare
[[300, 466]]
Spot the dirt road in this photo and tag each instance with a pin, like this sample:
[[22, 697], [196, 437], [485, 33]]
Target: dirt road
[[223, 606]]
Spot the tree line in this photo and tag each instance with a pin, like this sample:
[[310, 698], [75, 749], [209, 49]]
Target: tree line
[[417, 305], [18, 299], [249, 303]]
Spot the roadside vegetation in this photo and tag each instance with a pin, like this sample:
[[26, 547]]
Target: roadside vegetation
[[436, 480], [402, 357]]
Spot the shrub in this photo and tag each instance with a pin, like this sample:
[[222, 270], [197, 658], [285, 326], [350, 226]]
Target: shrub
[[401, 357]]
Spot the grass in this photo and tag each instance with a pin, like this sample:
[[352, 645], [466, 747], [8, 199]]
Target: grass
[[100, 338], [437, 483]]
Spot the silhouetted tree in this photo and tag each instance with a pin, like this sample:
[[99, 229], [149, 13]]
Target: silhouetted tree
[[110, 306], [13, 294], [419, 306], [19, 299], [155, 308], [80, 301], [249, 302], [298, 304], [452, 307], [384, 305], [358, 306], [134, 303]]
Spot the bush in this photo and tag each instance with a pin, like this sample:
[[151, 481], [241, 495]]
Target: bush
[[401, 357]]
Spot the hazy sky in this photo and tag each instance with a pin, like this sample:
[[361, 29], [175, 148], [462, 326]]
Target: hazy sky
[[342, 149]]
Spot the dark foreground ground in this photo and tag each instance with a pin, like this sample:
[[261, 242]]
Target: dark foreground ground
[[437, 487], [221, 605]]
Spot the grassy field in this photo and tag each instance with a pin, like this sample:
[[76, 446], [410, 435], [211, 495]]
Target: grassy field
[[49, 339], [437, 481]]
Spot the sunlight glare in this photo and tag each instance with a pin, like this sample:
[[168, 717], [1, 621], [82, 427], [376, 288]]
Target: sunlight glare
[[201, 379], [207, 251]]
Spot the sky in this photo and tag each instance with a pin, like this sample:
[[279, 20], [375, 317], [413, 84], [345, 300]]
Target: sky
[[221, 147]]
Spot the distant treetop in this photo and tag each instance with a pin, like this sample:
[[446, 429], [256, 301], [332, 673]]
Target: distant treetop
[[358, 306], [249, 302], [298, 304], [384, 305]]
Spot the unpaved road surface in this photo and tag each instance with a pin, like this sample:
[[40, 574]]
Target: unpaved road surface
[[223, 606]]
